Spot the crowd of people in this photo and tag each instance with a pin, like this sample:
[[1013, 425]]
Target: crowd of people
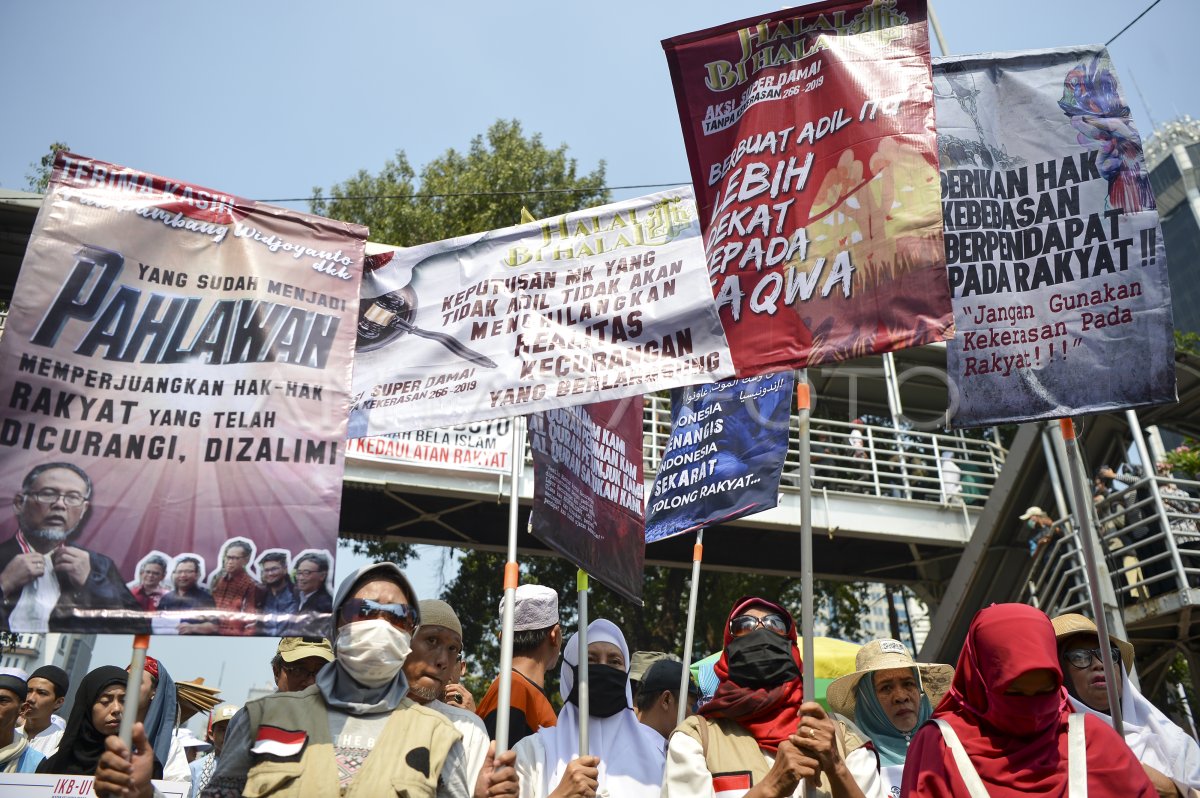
[[381, 710]]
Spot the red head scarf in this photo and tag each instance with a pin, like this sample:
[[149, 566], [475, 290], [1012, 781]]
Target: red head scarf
[[770, 714], [1018, 744]]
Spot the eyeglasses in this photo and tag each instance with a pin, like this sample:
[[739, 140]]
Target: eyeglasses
[[307, 571], [745, 624], [49, 496], [401, 616], [1082, 657]]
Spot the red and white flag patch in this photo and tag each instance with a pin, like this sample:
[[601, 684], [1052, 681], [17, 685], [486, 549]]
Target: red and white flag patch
[[278, 742], [731, 785]]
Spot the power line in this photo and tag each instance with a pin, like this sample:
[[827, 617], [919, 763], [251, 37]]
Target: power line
[[1131, 24], [478, 193]]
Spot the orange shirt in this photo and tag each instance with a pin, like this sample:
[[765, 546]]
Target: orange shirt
[[530, 709]]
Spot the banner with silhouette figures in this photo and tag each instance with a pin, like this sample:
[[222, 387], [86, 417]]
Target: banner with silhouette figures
[[810, 134], [175, 372], [1054, 251]]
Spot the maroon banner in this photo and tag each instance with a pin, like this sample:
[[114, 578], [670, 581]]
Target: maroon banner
[[588, 499], [810, 134]]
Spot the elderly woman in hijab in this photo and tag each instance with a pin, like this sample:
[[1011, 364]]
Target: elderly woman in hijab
[[1005, 729], [757, 737], [1167, 753], [887, 698], [625, 757], [95, 714]]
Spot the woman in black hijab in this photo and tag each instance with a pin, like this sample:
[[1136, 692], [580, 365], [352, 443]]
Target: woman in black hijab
[[95, 714]]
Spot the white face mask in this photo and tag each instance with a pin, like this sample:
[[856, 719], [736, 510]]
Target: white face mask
[[372, 652]]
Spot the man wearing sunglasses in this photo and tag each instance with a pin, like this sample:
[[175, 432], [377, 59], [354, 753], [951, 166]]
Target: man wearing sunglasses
[[1169, 755], [43, 577], [355, 731]]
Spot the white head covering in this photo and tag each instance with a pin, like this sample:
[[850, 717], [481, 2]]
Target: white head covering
[[1153, 738], [631, 755]]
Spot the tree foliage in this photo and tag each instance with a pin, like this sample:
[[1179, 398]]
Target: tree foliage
[[457, 193], [38, 179]]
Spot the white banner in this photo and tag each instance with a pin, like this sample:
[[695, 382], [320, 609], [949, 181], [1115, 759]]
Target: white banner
[[600, 304], [479, 446], [51, 785]]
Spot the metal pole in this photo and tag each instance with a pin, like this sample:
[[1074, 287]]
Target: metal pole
[[1151, 473], [937, 31], [133, 690], [803, 409], [1087, 539], [1054, 472], [892, 381], [688, 636], [581, 669], [512, 576]]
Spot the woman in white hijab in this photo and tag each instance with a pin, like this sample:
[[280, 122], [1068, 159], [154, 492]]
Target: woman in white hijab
[[626, 758], [1168, 754]]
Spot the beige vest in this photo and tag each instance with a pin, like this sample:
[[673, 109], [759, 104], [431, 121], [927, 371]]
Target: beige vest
[[730, 749], [406, 760]]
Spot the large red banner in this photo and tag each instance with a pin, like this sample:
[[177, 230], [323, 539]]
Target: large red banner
[[810, 135]]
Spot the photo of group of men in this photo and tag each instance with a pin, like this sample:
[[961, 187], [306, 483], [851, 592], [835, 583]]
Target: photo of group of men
[[48, 583]]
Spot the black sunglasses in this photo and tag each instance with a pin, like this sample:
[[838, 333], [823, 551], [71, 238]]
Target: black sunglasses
[[745, 624], [1082, 657], [401, 616]]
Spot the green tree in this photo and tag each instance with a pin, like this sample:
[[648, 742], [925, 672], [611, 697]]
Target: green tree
[[38, 179], [457, 193]]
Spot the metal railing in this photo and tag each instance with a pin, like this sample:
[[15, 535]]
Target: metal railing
[[1150, 535], [851, 457]]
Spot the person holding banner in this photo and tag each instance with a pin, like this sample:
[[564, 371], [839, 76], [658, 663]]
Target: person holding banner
[[757, 737], [48, 687], [1167, 753], [888, 697], [95, 715], [624, 759], [16, 755], [1005, 729]]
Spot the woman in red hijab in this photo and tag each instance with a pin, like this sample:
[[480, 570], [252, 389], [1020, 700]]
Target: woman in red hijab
[[1008, 711], [757, 738]]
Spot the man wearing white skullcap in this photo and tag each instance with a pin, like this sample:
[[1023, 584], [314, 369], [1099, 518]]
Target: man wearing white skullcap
[[537, 640]]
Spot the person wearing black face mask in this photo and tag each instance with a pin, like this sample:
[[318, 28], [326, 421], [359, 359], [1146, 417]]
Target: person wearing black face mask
[[757, 737], [626, 759]]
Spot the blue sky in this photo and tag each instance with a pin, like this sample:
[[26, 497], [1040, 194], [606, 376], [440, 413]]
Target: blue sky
[[267, 99]]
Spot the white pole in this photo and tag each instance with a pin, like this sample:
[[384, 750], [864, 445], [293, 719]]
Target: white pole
[[133, 690], [581, 669], [511, 578], [1087, 539], [806, 556], [937, 31], [697, 555]]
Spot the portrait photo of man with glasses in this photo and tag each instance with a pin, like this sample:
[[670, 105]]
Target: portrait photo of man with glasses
[[46, 582]]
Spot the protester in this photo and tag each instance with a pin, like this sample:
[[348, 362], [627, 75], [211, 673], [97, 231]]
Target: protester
[[436, 649], [189, 595], [202, 768], [1041, 529], [757, 736], [280, 598], [156, 710], [16, 755], [537, 640], [95, 714], [354, 729], [149, 588], [192, 746], [641, 662], [625, 758], [235, 590], [457, 693], [44, 577], [887, 697], [297, 661], [48, 687], [1167, 753], [1007, 711], [656, 701]]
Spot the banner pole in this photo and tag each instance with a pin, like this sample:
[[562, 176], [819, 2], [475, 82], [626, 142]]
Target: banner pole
[[512, 576], [581, 667], [803, 408], [133, 689], [688, 636], [1087, 540]]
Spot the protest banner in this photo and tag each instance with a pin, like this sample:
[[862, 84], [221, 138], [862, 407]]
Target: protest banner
[[724, 456], [588, 497], [600, 304], [53, 785], [480, 446], [810, 135], [175, 373], [1054, 253]]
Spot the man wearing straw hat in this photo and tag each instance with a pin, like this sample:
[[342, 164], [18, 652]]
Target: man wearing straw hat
[[887, 707], [1169, 755]]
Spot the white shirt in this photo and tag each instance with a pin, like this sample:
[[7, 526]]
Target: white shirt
[[46, 741], [177, 767], [875, 782], [38, 598], [475, 740], [687, 773]]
